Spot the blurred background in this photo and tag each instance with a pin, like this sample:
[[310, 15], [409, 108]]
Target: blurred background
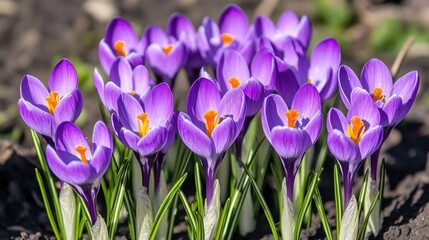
[[35, 34]]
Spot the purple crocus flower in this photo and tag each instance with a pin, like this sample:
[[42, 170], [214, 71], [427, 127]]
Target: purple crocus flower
[[143, 124], [211, 125], [288, 25], [182, 29], [75, 163], [120, 41], [123, 79], [43, 109], [233, 32], [292, 131], [165, 54], [353, 138], [321, 70], [392, 100]]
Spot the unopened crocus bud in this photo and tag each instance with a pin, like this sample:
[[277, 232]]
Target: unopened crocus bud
[[350, 223], [99, 229], [144, 217], [374, 224], [68, 210], [288, 215], [212, 213]]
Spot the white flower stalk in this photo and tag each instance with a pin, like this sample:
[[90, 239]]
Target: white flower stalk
[[144, 218], [288, 215], [350, 221], [67, 200], [374, 223], [212, 213], [158, 198], [99, 229]]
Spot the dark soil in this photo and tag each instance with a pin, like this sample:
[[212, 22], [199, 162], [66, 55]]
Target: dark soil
[[34, 33]]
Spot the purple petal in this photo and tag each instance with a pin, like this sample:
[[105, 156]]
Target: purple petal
[[326, 56], [314, 127], [289, 142], [264, 27], [121, 74], [304, 31], [307, 101], [406, 88], [63, 78], [155, 34], [37, 119], [102, 146], [202, 97], [68, 137], [135, 59], [224, 135], [182, 29], [255, 93], [128, 110], [100, 160], [286, 82], [233, 104], [121, 30], [263, 68], [391, 113], [375, 74], [342, 147], [347, 81], [287, 23], [33, 91], [336, 120], [105, 55], [371, 141], [153, 142], [99, 84], [273, 114], [363, 107], [111, 96], [141, 80], [234, 21], [163, 64], [295, 58], [69, 107], [172, 129], [193, 137], [231, 64], [159, 104]]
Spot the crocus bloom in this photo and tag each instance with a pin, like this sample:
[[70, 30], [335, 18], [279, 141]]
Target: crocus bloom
[[120, 41], [43, 109], [233, 32], [142, 124], [123, 79], [165, 54], [76, 163], [288, 25], [353, 138], [292, 131], [211, 125], [182, 29], [321, 70], [393, 100]]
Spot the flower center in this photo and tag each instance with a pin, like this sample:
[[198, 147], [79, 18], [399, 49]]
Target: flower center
[[292, 116], [120, 48], [356, 129], [234, 82], [226, 38], [377, 94], [167, 49], [212, 120], [132, 93], [52, 101], [143, 124], [309, 80], [81, 150]]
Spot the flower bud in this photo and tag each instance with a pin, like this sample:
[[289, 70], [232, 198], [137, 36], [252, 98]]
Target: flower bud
[[68, 210], [144, 219], [374, 220], [349, 223], [212, 213], [99, 229], [288, 215]]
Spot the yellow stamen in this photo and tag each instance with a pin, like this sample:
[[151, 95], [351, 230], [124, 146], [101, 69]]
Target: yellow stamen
[[52, 101], [212, 120], [292, 116], [167, 49], [143, 124], [234, 82], [132, 93], [356, 129], [309, 80], [120, 48], [81, 150], [226, 38], [378, 95]]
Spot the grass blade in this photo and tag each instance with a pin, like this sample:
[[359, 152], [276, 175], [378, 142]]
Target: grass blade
[[365, 222], [339, 207], [363, 192], [323, 219], [189, 211]]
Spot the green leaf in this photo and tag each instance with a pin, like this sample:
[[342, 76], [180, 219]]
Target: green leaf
[[77, 229], [363, 192], [323, 219], [365, 222], [339, 207], [189, 212], [198, 187], [222, 219], [381, 183], [131, 209], [165, 205]]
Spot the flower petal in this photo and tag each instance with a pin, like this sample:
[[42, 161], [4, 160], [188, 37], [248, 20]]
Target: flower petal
[[286, 82], [304, 31], [111, 95], [273, 114], [101, 136], [33, 91], [153, 142], [375, 74], [233, 104], [263, 68], [106, 55], [165, 65], [406, 88], [264, 27], [121, 30], [99, 84], [371, 141], [391, 112], [289, 142], [63, 78], [68, 137], [336, 120], [307, 101], [234, 21], [203, 96], [348, 81], [255, 93], [100, 160], [69, 107], [37, 119], [141, 80], [314, 127], [158, 103], [342, 147], [121, 74], [128, 110], [326, 56], [363, 107], [287, 23], [231, 64], [155, 34], [224, 135]]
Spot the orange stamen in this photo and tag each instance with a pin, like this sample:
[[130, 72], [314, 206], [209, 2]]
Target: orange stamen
[[143, 124], [234, 82], [292, 116], [81, 150], [309, 80], [132, 93], [378, 95], [226, 38], [167, 49], [120, 48], [52, 101], [212, 120], [356, 129]]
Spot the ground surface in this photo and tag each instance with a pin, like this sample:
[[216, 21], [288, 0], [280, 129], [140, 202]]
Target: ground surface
[[33, 33]]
